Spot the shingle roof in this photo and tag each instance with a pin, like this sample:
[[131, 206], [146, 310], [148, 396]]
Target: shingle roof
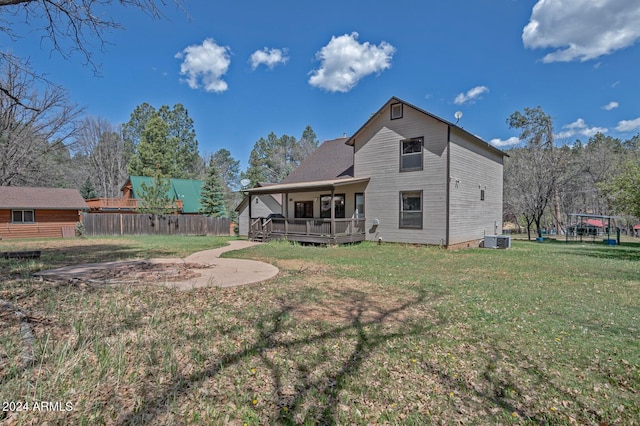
[[15, 197], [333, 159]]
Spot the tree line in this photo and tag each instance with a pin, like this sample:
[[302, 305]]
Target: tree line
[[544, 180], [45, 140]]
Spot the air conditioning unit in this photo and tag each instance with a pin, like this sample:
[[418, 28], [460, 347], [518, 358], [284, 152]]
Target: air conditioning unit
[[497, 241]]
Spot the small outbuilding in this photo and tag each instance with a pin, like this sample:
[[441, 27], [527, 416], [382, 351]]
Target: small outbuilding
[[39, 212]]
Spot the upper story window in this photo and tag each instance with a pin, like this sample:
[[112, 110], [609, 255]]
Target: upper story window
[[22, 216], [411, 154], [396, 111]]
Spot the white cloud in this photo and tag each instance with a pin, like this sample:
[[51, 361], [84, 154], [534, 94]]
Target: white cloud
[[628, 125], [268, 57], [579, 128], [582, 29], [471, 95], [611, 105], [344, 61], [502, 143], [204, 65]]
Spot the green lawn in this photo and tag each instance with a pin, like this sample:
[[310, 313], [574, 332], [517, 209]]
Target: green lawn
[[543, 333]]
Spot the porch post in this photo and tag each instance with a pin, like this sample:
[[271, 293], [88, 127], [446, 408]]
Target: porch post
[[333, 212], [285, 205], [285, 213], [250, 221]]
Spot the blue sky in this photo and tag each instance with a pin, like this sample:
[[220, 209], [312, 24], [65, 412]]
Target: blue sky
[[244, 69]]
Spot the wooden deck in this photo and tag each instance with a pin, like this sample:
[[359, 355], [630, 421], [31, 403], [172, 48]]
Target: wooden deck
[[312, 231], [117, 205]]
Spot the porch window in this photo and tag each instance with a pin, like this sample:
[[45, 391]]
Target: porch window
[[303, 210], [411, 154], [22, 216], [359, 212], [411, 209], [325, 206]]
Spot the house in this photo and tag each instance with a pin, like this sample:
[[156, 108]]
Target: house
[[39, 212], [186, 192], [405, 176]]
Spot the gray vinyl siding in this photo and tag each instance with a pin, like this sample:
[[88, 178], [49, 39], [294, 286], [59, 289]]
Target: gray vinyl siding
[[262, 208], [377, 155], [472, 168]]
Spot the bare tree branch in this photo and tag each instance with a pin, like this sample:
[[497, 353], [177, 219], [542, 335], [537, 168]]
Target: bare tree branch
[[32, 129], [71, 26]]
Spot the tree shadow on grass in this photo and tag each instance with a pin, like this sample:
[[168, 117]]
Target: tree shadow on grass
[[361, 325], [513, 390]]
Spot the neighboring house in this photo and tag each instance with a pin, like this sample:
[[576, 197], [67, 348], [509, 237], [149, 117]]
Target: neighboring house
[[405, 176], [636, 231], [186, 192], [39, 212], [263, 206]]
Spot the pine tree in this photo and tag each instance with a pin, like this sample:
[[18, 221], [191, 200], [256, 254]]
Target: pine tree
[[212, 198], [273, 158], [155, 199], [166, 137], [154, 153], [88, 191]]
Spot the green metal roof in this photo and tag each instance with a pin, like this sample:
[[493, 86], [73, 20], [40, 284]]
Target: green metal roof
[[187, 190]]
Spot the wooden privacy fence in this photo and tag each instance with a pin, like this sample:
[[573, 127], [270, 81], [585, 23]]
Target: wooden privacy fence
[[144, 224]]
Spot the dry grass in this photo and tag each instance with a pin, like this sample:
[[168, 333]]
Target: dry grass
[[353, 335]]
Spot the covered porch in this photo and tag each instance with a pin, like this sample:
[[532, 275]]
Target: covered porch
[[320, 212]]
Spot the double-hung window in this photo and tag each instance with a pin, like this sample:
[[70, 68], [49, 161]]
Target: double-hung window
[[22, 216], [411, 154], [411, 209]]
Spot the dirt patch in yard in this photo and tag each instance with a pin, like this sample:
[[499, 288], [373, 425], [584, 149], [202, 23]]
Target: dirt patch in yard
[[354, 301], [138, 272]]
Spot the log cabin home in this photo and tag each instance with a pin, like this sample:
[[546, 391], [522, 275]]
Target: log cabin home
[[185, 192], [27, 212]]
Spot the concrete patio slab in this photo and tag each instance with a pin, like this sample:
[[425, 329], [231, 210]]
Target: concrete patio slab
[[207, 268]]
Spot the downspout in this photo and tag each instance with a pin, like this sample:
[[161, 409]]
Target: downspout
[[448, 183]]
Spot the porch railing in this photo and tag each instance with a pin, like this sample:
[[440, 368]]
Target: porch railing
[[119, 203], [315, 229], [319, 227]]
